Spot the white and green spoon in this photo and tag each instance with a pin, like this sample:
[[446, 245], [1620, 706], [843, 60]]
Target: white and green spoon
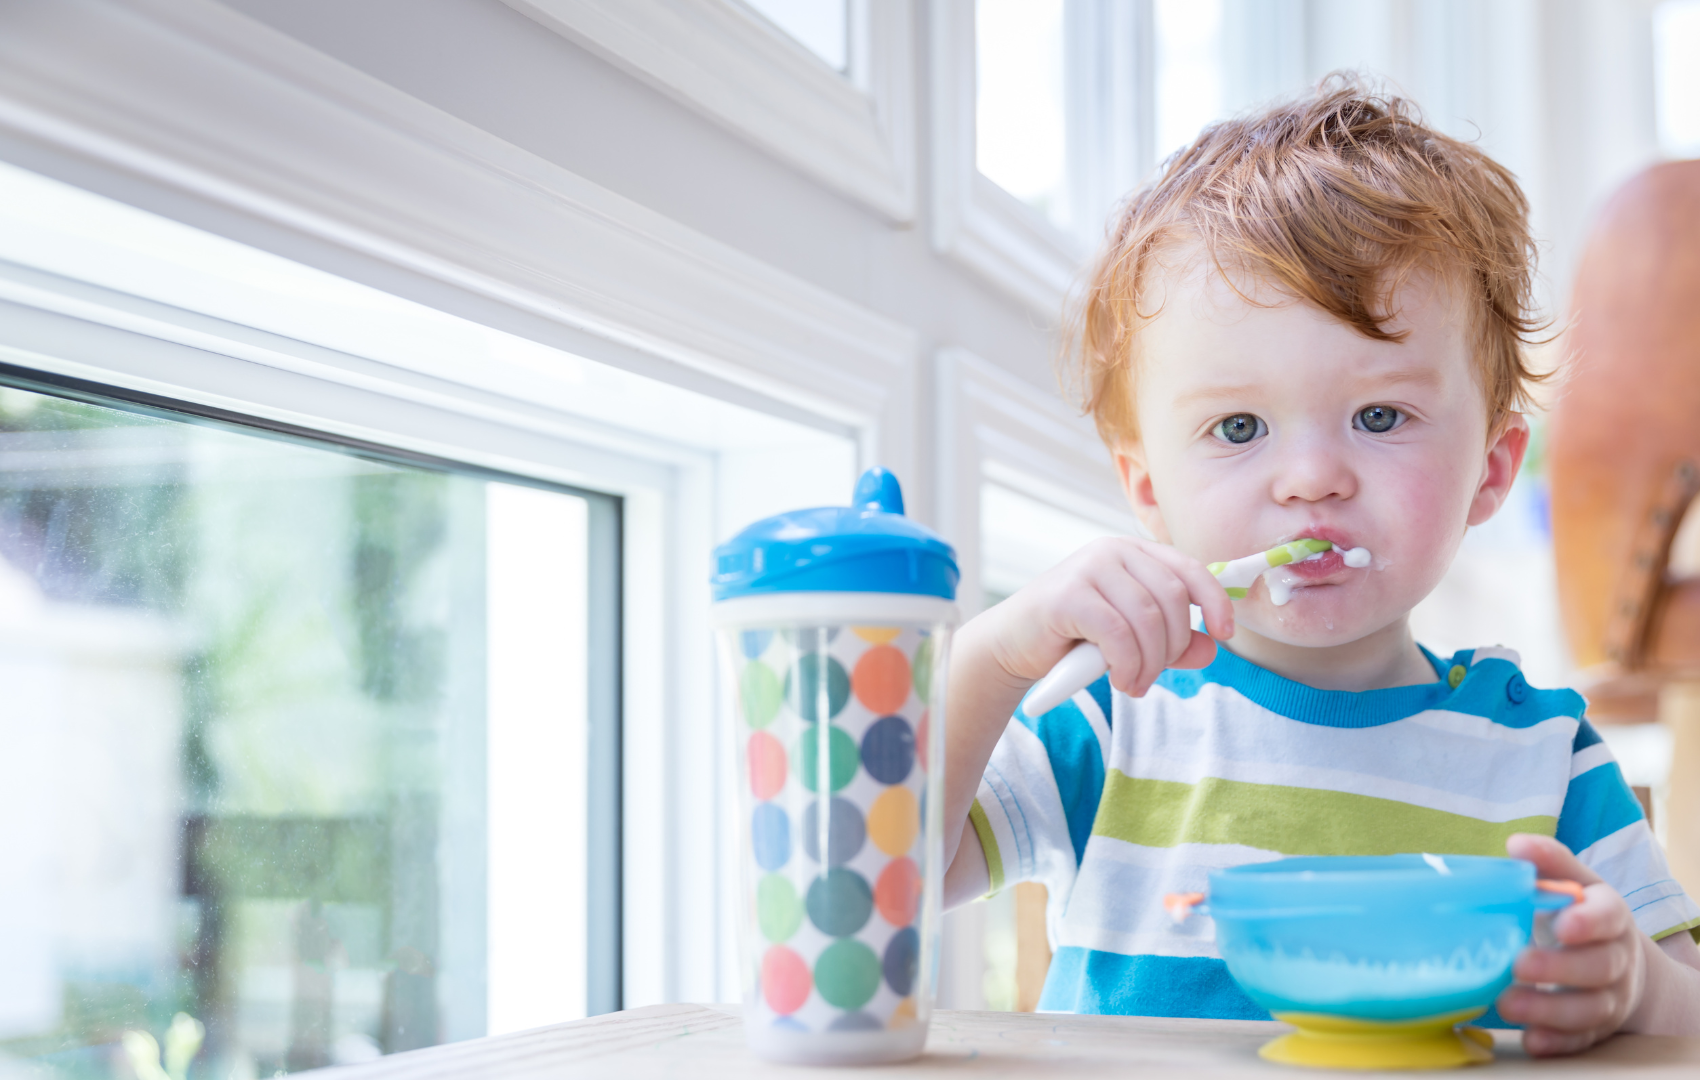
[[1084, 663]]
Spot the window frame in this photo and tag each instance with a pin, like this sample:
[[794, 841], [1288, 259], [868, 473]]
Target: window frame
[[852, 131], [52, 366], [993, 428], [303, 156], [1111, 125]]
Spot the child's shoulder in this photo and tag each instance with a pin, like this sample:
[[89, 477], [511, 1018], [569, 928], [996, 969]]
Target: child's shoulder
[[1489, 682]]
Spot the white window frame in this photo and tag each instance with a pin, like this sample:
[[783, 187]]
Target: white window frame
[[192, 110], [852, 131], [1007, 243], [991, 427]]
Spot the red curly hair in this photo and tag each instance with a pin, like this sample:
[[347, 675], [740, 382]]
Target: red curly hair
[[1336, 198]]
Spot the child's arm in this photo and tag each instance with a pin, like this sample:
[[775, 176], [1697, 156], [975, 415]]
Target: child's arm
[[1129, 597], [1615, 977]]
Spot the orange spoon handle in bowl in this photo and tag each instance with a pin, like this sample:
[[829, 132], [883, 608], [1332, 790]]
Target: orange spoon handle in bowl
[[1179, 905]]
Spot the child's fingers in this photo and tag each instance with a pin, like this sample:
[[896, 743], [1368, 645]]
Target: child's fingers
[[1551, 858], [1584, 967], [1546, 1042], [1146, 618], [1601, 916], [1202, 589], [1560, 1010], [1199, 652], [1101, 623], [1173, 597]]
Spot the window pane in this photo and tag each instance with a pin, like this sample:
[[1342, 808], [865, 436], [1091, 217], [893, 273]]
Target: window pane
[[1189, 70], [248, 688], [1021, 111], [821, 26], [1676, 48]]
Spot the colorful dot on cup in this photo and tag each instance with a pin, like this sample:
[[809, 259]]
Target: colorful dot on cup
[[888, 750], [839, 903], [803, 686], [881, 679], [845, 831], [877, 635], [902, 1014], [847, 973], [758, 689], [755, 642], [897, 892], [842, 757], [893, 820], [779, 912], [766, 756], [855, 1021], [770, 836], [902, 956], [924, 668], [784, 980]]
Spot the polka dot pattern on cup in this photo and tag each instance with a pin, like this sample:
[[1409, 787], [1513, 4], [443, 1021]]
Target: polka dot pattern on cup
[[837, 883]]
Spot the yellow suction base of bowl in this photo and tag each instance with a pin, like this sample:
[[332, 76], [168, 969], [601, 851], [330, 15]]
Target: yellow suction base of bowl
[[1340, 1042]]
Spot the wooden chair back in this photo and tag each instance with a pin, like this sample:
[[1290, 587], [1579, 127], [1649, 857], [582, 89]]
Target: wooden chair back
[[1625, 444]]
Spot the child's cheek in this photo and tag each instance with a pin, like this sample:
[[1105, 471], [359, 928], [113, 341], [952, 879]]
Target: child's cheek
[[1419, 512]]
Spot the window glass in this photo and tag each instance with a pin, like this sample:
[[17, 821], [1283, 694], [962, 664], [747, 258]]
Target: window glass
[[249, 686], [821, 26], [1189, 77], [1021, 107], [1676, 63]]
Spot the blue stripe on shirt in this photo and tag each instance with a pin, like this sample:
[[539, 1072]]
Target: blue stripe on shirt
[[1586, 736], [1077, 763], [1089, 981], [1596, 804]]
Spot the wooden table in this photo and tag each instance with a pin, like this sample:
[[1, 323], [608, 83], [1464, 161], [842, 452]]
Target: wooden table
[[708, 1042]]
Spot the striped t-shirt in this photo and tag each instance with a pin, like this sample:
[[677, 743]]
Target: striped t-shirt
[[1111, 802]]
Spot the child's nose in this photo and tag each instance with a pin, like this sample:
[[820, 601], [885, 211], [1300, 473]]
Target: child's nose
[[1313, 470]]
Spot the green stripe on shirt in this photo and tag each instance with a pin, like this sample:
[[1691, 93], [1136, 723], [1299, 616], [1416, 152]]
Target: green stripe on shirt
[[988, 844], [1692, 926], [1291, 820]]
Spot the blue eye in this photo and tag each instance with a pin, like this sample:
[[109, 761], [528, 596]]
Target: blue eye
[[1378, 419], [1241, 428]]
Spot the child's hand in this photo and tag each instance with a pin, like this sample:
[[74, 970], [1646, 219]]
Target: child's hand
[[1602, 968], [1129, 597]]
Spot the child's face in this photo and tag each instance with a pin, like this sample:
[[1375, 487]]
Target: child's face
[[1260, 425]]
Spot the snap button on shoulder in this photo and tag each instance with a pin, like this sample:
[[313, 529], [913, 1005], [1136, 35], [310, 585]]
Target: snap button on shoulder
[[1517, 690], [1455, 676]]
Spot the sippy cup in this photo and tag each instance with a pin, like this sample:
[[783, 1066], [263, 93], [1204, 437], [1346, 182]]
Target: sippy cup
[[835, 625]]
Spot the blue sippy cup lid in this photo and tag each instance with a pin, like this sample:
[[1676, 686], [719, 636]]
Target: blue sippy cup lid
[[868, 546]]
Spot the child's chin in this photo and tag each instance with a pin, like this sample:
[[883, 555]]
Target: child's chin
[[1321, 618]]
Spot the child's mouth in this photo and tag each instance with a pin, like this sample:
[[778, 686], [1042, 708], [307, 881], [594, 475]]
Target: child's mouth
[[1322, 568]]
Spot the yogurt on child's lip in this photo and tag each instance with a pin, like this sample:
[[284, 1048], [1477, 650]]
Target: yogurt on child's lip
[[1281, 581]]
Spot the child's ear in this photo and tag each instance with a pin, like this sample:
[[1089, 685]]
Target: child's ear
[[1504, 459], [1136, 482]]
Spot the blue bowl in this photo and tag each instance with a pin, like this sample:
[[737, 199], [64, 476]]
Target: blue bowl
[[1384, 938]]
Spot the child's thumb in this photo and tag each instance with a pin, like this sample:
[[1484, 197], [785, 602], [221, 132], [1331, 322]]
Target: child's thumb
[[1198, 652], [1551, 858]]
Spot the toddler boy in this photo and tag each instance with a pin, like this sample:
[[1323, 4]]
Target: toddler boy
[[1311, 324]]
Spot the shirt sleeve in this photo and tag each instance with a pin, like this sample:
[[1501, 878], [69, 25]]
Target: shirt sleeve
[[1603, 824], [1037, 800]]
